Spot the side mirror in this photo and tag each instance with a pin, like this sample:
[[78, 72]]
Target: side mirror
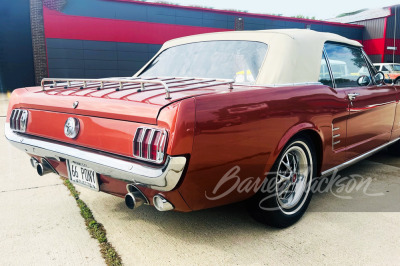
[[379, 78], [364, 81], [389, 81]]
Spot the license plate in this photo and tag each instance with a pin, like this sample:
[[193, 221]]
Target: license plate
[[80, 174]]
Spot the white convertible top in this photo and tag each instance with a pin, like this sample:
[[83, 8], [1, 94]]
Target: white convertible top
[[293, 56]]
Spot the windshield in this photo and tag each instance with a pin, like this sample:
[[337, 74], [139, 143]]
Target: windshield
[[238, 60]]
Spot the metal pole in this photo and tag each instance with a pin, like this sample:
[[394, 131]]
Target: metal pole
[[395, 29]]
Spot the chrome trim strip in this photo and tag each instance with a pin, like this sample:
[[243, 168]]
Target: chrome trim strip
[[357, 159], [161, 147], [158, 156], [162, 178], [379, 104], [280, 85], [140, 141], [12, 121], [334, 137], [328, 64]]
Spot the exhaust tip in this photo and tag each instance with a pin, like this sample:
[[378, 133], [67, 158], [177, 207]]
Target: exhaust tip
[[34, 162], [162, 204], [43, 168], [130, 201], [135, 198], [39, 169]]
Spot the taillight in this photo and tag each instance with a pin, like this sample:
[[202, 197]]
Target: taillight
[[149, 144], [19, 120]]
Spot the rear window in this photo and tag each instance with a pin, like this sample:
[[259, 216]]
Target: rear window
[[238, 60]]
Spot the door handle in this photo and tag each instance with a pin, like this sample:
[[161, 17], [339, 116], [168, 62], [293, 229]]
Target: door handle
[[352, 96]]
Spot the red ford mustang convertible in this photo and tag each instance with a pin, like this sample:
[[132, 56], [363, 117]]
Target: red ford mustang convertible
[[214, 119]]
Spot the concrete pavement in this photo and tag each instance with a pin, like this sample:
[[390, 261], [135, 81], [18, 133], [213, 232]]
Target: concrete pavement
[[40, 223], [333, 231]]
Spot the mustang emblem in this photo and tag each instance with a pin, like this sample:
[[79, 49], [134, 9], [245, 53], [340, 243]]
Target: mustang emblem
[[71, 127], [75, 104]]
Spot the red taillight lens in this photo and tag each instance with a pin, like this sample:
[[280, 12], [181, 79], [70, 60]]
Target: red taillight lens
[[149, 144], [153, 145], [146, 138], [19, 120]]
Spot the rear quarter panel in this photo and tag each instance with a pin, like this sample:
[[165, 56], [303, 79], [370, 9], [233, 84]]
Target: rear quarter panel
[[248, 128]]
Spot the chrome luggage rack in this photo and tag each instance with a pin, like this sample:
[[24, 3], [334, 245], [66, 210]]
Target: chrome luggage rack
[[141, 84]]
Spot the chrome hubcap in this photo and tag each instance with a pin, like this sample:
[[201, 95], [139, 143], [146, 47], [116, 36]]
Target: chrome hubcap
[[292, 177]]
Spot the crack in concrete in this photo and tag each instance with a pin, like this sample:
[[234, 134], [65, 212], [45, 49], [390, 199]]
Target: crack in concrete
[[21, 189]]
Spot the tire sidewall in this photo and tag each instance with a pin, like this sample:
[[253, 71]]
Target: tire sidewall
[[265, 206]]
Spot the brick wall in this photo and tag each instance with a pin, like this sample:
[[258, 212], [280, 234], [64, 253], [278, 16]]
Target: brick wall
[[38, 40], [55, 4]]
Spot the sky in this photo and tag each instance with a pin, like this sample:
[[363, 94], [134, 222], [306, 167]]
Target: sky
[[321, 9]]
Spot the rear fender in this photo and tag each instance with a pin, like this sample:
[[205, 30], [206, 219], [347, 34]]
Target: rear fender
[[15, 101], [293, 131], [179, 120]]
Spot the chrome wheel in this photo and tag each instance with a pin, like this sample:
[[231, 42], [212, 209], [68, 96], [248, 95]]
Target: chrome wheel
[[293, 178]]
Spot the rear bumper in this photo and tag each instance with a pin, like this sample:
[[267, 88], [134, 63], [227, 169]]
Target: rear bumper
[[162, 178]]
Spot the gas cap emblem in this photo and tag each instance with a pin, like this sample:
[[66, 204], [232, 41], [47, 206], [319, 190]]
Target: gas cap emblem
[[71, 128], [75, 104]]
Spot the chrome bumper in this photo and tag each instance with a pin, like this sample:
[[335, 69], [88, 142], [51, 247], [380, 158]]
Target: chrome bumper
[[163, 178]]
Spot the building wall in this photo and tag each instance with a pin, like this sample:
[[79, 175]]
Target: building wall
[[16, 58], [374, 38], [99, 38], [392, 32]]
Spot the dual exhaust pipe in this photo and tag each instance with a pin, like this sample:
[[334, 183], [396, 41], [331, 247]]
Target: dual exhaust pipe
[[135, 198], [42, 168]]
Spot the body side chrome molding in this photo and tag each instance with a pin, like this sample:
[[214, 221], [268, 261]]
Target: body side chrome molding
[[334, 137], [380, 104], [279, 85], [162, 178], [357, 159]]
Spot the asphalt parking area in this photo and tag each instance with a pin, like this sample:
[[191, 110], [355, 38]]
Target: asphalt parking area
[[41, 224]]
